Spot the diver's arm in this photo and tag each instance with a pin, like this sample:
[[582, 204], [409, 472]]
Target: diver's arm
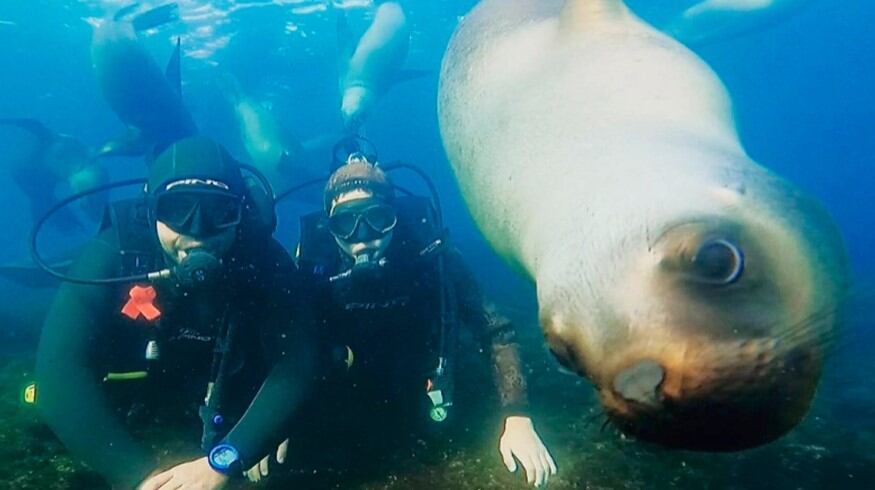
[[71, 398], [264, 424], [294, 346], [496, 333], [519, 442]]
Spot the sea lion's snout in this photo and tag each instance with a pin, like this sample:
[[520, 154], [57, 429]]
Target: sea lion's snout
[[641, 383], [732, 397]]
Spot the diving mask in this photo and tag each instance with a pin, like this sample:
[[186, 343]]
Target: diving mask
[[380, 218], [198, 213]]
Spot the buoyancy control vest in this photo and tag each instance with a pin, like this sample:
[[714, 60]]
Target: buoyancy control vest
[[139, 350], [418, 243]]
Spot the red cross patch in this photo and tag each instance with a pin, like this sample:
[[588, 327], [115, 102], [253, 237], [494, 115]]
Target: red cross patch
[[141, 303]]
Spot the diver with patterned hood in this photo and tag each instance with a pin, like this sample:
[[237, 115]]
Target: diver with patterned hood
[[217, 338], [388, 293]]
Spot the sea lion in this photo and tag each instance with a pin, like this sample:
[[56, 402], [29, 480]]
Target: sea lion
[[273, 150], [51, 160], [375, 63], [694, 288], [145, 98]]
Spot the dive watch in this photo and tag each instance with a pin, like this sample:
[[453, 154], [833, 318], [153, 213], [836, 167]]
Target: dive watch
[[225, 459]]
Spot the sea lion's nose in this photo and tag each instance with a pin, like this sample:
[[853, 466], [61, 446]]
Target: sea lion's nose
[[640, 383]]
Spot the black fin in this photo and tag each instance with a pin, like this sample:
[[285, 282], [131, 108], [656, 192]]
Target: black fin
[[36, 128], [155, 17], [173, 71]]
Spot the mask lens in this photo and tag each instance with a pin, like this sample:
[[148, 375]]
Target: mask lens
[[381, 217], [343, 224], [221, 211], [174, 209], [213, 211]]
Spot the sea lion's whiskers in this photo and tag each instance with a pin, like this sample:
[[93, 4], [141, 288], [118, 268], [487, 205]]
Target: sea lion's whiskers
[[593, 417], [605, 425], [805, 331]]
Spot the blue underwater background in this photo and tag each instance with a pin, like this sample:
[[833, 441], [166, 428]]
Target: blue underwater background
[[804, 95]]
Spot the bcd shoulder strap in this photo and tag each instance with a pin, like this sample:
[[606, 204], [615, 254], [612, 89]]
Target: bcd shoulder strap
[[130, 219]]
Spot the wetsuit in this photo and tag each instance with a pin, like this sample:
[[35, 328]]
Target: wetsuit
[[88, 339], [384, 326]]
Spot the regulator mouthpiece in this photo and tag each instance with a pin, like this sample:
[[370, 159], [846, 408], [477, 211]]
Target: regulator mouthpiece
[[197, 269]]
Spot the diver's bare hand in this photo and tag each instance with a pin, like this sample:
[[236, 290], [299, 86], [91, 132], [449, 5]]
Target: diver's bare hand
[[193, 475], [520, 442], [261, 470]]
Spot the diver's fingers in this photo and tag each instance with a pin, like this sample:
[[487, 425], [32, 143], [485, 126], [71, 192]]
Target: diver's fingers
[[263, 466], [253, 474], [507, 457], [545, 465], [171, 484], [156, 481], [550, 462], [529, 466], [281, 452], [540, 472]]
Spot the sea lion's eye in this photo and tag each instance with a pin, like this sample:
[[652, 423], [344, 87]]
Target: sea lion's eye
[[719, 262]]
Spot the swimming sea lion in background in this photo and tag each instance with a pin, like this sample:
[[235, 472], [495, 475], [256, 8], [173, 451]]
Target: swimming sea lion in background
[[713, 20], [695, 289], [51, 160], [374, 65], [273, 150], [270, 148], [145, 98]]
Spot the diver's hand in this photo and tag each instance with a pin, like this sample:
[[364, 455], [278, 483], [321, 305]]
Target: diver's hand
[[261, 470], [519, 440], [193, 475]]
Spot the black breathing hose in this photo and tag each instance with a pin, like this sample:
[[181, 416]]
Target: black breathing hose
[[38, 259]]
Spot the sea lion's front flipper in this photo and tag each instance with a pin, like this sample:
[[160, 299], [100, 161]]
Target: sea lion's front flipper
[[131, 144], [32, 126], [717, 20], [173, 72], [155, 17]]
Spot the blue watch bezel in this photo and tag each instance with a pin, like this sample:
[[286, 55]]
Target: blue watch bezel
[[227, 466]]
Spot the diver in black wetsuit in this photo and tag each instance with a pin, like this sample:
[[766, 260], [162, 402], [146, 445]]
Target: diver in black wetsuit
[[221, 338], [387, 292]]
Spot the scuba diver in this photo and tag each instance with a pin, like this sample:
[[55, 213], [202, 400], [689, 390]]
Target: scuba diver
[[388, 293], [209, 326]]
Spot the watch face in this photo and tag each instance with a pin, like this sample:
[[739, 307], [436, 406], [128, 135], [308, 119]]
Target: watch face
[[223, 456]]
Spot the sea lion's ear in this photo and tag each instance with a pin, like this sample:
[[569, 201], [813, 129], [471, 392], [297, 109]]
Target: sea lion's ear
[[578, 14]]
